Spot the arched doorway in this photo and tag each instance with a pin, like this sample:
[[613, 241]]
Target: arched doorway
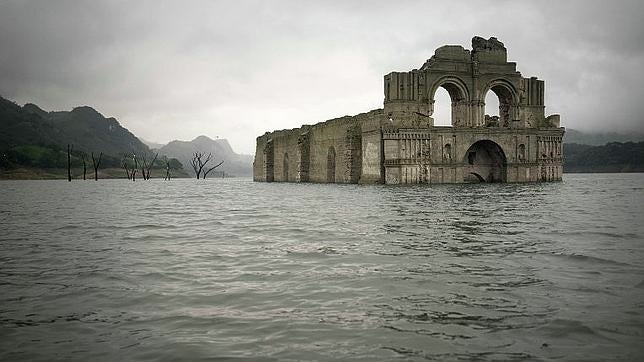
[[330, 165], [285, 168], [485, 161]]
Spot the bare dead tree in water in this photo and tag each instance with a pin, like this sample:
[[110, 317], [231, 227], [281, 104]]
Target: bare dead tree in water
[[84, 167], [194, 162], [199, 164], [145, 168], [130, 172], [167, 169], [69, 162], [152, 163], [135, 168], [127, 170], [212, 168], [96, 164], [143, 164]]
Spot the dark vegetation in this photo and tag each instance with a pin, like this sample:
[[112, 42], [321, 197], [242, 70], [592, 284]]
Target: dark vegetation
[[611, 157], [35, 139], [51, 156]]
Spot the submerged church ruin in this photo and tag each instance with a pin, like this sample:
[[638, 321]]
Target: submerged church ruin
[[400, 144]]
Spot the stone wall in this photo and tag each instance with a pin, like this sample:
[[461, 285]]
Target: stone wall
[[330, 151], [372, 167], [440, 154]]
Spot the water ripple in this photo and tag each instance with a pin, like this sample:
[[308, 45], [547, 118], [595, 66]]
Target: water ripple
[[231, 269]]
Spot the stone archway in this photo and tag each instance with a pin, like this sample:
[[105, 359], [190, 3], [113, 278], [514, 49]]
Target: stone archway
[[508, 102], [485, 161], [459, 96]]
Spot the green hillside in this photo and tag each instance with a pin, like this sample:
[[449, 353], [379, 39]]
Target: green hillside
[[611, 157], [34, 139], [23, 127]]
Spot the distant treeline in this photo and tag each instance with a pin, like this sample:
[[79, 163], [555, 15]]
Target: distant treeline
[[53, 156], [611, 157]]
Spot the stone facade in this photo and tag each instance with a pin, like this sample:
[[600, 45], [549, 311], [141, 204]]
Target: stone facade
[[400, 144]]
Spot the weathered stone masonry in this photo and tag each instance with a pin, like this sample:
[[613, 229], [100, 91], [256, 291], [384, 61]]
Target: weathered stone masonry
[[400, 144]]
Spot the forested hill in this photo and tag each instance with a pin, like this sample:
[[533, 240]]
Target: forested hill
[[611, 157], [84, 127], [33, 143]]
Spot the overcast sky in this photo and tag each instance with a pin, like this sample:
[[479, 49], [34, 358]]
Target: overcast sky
[[236, 69]]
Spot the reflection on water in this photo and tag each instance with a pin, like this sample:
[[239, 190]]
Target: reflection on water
[[231, 268]]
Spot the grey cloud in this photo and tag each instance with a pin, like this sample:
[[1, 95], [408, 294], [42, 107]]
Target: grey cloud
[[237, 69]]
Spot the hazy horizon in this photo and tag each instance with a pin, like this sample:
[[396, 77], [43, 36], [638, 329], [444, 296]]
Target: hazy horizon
[[173, 71]]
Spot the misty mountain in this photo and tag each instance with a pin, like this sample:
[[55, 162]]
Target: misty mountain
[[84, 127], [600, 138], [234, 164], [152, 145]]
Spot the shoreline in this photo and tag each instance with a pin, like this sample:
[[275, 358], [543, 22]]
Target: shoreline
[[28, 173]]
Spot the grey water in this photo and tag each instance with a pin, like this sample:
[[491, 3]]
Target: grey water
[[222, 269]]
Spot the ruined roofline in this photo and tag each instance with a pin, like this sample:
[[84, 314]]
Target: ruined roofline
[[356, 118], [483, 51]]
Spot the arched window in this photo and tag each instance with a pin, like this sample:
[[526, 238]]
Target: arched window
[[450, 102], [499, 106], [521, 152], [491, 110], [442, 108], [448, 152]]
